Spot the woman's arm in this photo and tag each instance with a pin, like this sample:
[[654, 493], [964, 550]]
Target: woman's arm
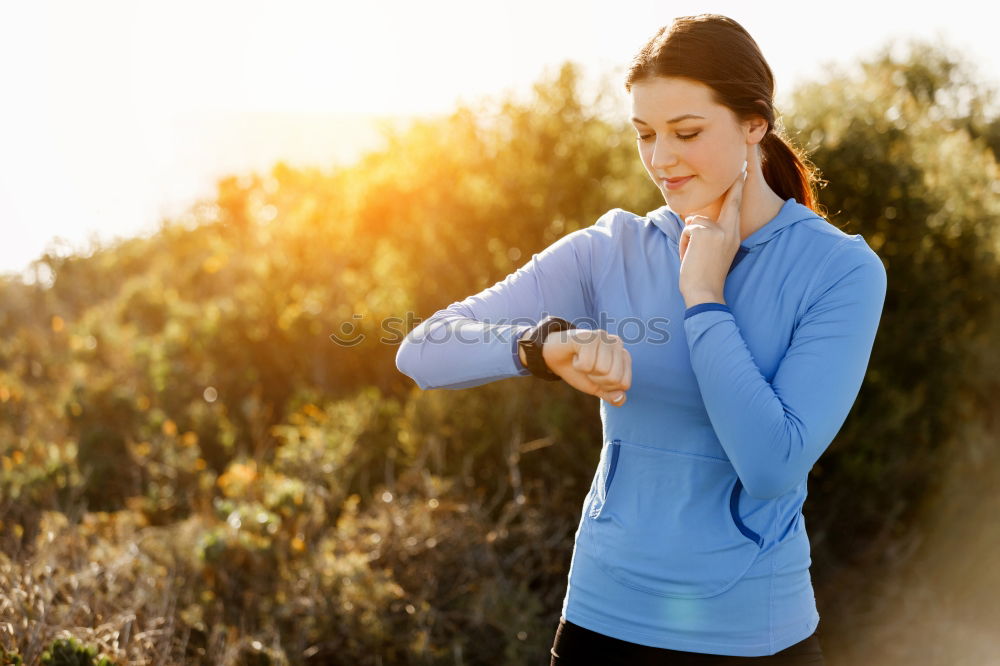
[[774, 432], [474, 341]]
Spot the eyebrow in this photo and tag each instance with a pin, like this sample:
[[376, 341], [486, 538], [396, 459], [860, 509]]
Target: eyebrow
[[672, 120]]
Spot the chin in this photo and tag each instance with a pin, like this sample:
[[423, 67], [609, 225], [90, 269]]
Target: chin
[[681, 210], [685, 206]]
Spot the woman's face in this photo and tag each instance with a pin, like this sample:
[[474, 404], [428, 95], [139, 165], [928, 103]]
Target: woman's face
[[711, 148]]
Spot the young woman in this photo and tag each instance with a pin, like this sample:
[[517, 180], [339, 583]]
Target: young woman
[[727, 334]]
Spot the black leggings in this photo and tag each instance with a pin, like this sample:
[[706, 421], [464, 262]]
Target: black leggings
[[577, 646]]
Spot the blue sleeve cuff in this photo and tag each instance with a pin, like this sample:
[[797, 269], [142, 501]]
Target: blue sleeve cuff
[[704, 307], [518, 366]]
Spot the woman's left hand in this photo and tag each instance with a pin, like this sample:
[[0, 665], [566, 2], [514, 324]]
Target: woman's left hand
[[707, 249]]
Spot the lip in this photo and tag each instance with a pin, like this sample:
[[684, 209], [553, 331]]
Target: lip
[[675, 183]]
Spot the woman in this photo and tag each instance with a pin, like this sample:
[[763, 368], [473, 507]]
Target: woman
[[727, 334]]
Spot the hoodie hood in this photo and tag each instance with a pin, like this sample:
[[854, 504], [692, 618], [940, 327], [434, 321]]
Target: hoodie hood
[[791, 212]]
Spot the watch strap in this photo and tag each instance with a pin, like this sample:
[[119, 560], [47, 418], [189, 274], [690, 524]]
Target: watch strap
[[531, 342]]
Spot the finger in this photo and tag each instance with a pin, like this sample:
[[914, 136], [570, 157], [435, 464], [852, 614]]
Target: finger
[[627, 370], [584, 359], [621, 368], [616, 398], [692, 220], [608, 338], [683, 244], [613, 379], [733, 195], [602, 361], [729, 215], [699, 223]]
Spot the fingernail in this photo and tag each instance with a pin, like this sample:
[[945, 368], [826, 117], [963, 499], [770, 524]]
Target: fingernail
[[617, 397], [744, 169]]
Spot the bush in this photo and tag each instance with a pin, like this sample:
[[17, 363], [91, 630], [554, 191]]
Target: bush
[[70, 652], [9, 658]]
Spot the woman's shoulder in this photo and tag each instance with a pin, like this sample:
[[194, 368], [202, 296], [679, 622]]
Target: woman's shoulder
[[839, 257], [607, 231], [617, 224], [833, 242], [617, 220], [593, 244]]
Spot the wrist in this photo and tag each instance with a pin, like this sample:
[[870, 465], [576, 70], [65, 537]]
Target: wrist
[[531, 345], [703, 296]]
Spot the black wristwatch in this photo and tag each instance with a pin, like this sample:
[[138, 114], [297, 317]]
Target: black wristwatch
[[531, 343]]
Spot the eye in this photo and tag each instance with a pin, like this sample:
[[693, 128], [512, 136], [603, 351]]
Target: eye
[[683, 137]]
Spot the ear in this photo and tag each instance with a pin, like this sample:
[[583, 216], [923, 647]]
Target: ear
[[755, 129]]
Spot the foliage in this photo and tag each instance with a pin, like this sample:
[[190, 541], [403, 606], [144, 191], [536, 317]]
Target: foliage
[[904, 171], [9, 658], [70, 652]]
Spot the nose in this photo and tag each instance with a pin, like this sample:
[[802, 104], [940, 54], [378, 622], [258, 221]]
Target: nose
[[662, 158]]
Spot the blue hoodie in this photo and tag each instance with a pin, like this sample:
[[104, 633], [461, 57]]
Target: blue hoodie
[[691, 536]]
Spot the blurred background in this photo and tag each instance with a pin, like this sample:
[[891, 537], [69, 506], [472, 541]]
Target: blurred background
[[195, 196]]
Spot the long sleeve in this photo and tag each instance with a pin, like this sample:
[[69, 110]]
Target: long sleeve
[[774, 432], [474, 341]]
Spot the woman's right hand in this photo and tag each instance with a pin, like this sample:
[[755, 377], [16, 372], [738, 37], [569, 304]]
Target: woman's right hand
[[593, 361]]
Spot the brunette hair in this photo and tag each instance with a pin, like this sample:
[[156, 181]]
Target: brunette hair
[[717, 51]]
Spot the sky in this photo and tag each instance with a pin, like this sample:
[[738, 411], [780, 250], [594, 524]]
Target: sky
[[117, 114]]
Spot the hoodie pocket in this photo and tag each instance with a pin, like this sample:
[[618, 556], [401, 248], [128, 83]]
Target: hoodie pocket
[[667, 522], [606, 468]]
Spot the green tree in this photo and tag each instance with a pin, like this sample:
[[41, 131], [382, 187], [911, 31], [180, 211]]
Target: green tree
[[903, 147]]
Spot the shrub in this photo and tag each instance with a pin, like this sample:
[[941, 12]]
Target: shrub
[[70, 652]]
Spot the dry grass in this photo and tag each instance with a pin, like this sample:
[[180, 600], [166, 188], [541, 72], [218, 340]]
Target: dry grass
[[101, 589]]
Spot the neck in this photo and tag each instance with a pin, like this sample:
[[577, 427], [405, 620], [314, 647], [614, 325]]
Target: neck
[[760, 205]]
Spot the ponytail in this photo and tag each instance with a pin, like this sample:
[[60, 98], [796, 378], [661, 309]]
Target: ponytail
[[788, 171]]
